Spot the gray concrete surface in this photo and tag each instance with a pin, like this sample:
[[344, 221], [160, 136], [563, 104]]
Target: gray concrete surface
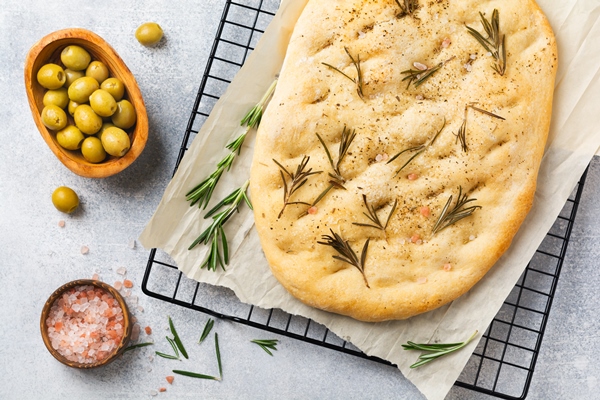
[[36, 256]]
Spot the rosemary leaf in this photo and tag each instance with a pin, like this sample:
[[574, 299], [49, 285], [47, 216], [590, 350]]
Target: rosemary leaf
[[451, 215], [173, 346], [267, 344], [461, 135], [417, 149], [358, 81], [297, 180], [207, 328], [177, 339], [494, 43], [346, 254], [373, 217], [169, 356], [218, 352], [195, 375], [137, 345], [435, 350]]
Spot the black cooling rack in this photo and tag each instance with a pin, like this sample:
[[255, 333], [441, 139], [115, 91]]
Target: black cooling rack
[[502, 364]]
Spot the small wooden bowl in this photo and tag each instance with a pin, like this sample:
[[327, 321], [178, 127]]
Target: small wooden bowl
[[48, 50], [127, 324]]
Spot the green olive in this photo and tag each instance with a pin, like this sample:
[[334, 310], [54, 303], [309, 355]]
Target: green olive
[[51, 76], [125, 116], [65, 199], [103, 103], [54, 117], [149, 33], [58, 97], [75, 58], [87, 120], [115, 87], [92, 150], [105, 125], [72, 76], [116, 141], [72, 107], [82, 88], [97, 70], [70, 138]]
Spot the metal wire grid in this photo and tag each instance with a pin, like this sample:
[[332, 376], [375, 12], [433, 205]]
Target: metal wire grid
[[502, 364]]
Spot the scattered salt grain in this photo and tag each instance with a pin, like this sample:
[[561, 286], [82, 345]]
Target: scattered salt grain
[[382, 157], [153, 392], [421, 280], [127, 283], [312, 210], [127, 293], [61, 223], [140, 308], [468, 67], [135, 332], [419, 97], [473, 56], [95, 277], [121, 270], [82, 324], [148, 330], [118, 285], [412, 177], [446, 43], [425, 211], [170, 379], [132, 244], [472, 237], [85, 249], [415, 238], [447, 267], [162, 389], [420, 66]]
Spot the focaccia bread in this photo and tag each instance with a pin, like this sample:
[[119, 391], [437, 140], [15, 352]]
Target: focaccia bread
[[399, 154]]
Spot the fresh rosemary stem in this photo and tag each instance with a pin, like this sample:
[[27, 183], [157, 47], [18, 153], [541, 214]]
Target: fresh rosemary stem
[[358, 81], [253, 117], [266, 344], [297, 180], [494, 43], [346, 254], [207, 328], [137, 345], [214, 235], [202, 192], [451, 215], [177, 339], [435, 350]]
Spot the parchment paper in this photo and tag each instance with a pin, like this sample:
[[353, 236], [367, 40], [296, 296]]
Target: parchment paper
[[572, 142]]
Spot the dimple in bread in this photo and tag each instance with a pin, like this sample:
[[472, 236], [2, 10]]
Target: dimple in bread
[[382, 122]]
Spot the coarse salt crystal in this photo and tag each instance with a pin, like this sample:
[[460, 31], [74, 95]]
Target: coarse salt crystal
[[153, 392], [468, 67], [127, 283], [473, 56], [446, 43], [420, 66], [85, 249], [425, 211], [132, 244], [312, 210], [447, 267], [421, 280], [419, 97], [412, 177], [162, 389], [118, 285], [148, 330], [61, 223], [140, 308], [95, 277], [121, 270], [170, 379], [415, 238], [472, 237]]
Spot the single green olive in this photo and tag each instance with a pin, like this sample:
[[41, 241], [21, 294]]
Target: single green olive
[[54, 117], [72, 107], [124, 117], [97, 70], [116, 141], [70, 138], [87, 120], [92, 150], [103, 103], [149, 33], [51, 76], [58, 97], [75, 58], [72, 76], [115, 87], [82, 88], [65, 199]]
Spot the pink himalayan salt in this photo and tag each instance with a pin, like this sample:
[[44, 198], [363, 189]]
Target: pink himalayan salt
[[412, 177], [162, 389], [421, 281], [85, 250], [135, 332], [313, 210], [61, 223], [85, 324], [447, 267], [127, 283], [425, 211], [118, 285]]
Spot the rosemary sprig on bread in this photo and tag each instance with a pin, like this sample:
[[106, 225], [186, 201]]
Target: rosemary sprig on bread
[[494, 43]]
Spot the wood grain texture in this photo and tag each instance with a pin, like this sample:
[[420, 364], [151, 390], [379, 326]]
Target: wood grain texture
[[48, 50]]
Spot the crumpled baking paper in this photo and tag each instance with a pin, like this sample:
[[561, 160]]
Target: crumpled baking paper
[[572, 142]]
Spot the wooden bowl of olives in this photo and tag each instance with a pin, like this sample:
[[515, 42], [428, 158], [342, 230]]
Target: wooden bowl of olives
[[85, 102]]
